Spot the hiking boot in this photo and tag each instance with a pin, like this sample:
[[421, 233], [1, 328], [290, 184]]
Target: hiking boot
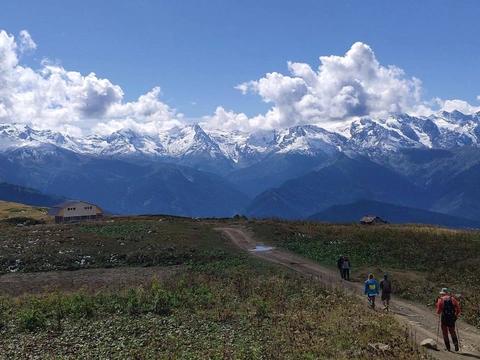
[[456, 347]]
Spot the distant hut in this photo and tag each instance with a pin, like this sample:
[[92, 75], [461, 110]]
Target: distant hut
[[74, 211], [372, 220]]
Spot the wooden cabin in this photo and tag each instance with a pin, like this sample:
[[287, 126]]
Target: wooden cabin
[[74, 211], [372, 220]]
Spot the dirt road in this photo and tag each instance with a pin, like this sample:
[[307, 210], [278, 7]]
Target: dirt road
[[421, 320]]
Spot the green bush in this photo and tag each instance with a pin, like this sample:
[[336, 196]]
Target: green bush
[[162, 302], [133, 304], [79, 305], [32, 319], [20, 220], [262, 308]]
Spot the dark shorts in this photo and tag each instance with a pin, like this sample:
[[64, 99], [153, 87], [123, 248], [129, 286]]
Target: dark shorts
[[385, 296]]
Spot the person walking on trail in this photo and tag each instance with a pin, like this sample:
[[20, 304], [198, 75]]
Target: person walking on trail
[[346, 268], [371, 290], [386, 287], [340, 265], [449, 309]]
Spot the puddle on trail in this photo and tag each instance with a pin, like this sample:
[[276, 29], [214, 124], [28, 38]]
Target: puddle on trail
[[261, 248]]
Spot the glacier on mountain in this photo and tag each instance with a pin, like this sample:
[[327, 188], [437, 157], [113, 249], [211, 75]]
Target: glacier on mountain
[[366, 135]]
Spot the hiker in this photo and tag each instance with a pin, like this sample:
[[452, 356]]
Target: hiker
[[371, 290], [346, 268], [386, 287], [449, 309], [340, 265]]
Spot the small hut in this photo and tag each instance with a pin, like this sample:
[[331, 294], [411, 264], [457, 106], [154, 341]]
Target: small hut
[[74, 211], [372, 220]]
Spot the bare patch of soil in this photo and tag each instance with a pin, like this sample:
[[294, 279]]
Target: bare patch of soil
[[90, 280]]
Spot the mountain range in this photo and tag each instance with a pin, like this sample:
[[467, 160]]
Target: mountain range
[[430, 163]]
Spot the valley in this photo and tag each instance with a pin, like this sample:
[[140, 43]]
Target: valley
[[420, 163], [239, 180]]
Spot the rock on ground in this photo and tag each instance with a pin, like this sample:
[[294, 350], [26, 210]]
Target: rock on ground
[[379, 346], [429, 344]]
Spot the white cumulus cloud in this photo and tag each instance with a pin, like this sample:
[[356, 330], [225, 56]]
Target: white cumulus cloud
[[26, 41], [226, 120], [459, 105], [339, 89], [55, 98], [342, 87], [148, 114]]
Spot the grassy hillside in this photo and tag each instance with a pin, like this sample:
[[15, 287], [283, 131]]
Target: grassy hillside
[[10, 210], [395, 214], [420, 259], [221, 304], [116, 242]]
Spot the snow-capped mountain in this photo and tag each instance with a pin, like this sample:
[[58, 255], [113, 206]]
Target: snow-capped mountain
[[19, 135], [439, 131], [365, 136], [429, 163]]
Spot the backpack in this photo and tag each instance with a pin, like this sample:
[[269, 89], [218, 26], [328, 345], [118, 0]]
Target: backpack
[[448, 313]]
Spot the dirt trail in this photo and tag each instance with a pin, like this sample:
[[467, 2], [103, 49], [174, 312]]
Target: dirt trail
[[90, 280], [422, 320]]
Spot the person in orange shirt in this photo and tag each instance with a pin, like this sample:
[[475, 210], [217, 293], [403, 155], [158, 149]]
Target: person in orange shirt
[[449, 309]]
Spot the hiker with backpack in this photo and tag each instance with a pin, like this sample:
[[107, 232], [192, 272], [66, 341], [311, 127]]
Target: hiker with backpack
[[340, 265], [386, 287], [346, 268], [449, 309], [371, 290]]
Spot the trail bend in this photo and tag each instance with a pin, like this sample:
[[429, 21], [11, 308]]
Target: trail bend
[[422, 321]]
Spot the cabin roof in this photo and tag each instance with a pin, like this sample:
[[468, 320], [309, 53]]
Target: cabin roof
[[370, 218], [55, 210]]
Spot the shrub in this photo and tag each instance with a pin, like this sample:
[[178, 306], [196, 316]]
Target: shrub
[[3, 319], [25, 221], [79, 306], [32, 319], [133, 304], [162, 302], [262, 310]]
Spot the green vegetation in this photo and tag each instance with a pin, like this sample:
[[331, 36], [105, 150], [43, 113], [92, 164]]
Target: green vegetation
[[221, 303], [240, 308], [420, 259], [118, 242], [23, 221]]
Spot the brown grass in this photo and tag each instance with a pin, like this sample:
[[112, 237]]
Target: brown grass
[[10, 210]]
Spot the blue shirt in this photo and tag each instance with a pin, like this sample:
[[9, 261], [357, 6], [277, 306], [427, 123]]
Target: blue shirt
[[371, 287]]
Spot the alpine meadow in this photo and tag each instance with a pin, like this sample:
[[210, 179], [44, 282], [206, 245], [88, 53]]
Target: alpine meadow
[[239, 180]]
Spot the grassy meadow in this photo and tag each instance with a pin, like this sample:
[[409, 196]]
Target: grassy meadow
[[115, 242], [11, 210], [420, 259], [220, 304]]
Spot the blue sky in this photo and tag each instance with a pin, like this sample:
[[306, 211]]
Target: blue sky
[[198, 50]]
